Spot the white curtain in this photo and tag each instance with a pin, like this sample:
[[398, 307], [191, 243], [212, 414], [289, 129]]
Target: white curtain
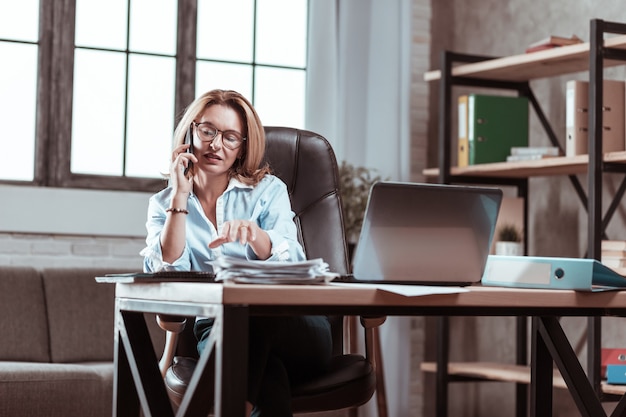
[[358, 98], [359, 81]]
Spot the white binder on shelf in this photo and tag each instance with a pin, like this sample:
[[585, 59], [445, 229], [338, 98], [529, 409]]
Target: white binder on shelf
[[577, 114], [578, 274]]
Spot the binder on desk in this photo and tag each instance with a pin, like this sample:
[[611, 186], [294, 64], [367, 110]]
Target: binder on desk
[[577, 117], [578, 274], [495, 124], [463, 145]]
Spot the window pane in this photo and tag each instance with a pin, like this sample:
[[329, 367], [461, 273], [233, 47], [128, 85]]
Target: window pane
[[18, 83], [98, 112], [150, 115], [101, 24], [225, 30], [19, 20], [281, 40], [279, 96], [153, 26], [210, 75]]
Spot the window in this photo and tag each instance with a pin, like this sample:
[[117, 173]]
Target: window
[[19, 49], [94, 100], [123, 101], [264, 58]]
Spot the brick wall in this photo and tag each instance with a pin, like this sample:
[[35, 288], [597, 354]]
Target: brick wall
[[70, 251]]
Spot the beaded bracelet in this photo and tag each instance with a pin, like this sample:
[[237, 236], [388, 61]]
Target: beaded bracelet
[[177, 210]]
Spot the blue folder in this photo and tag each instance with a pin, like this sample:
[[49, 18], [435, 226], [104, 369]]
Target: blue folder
[[578, 274]]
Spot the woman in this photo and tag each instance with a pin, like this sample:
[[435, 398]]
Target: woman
[[222, 200]]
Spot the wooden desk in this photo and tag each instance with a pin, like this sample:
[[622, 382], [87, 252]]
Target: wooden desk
[[138, 381]]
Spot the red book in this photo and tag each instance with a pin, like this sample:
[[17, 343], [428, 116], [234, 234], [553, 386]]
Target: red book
[[541, 48], [557, 40]]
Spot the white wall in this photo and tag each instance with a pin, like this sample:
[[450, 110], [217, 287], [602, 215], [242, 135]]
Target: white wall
[[43, 226]]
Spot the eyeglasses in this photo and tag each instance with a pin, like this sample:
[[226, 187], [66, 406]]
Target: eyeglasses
[[231, 139]]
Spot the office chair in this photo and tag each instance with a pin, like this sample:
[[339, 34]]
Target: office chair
[[306, 162]]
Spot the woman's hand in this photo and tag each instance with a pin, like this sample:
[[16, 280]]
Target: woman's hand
[[180, 161], [245, 232]]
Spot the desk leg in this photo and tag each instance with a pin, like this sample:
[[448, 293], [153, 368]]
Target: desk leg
[[556, 342], [441, 386], [231, 365], [521, 358], [540, 375], [228, 343], [125, 400], [135, 357]]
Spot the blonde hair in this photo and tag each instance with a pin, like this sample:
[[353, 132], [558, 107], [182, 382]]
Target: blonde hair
[[249, 168]]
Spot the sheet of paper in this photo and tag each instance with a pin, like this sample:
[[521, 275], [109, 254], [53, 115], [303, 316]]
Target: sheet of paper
[[406, 290]]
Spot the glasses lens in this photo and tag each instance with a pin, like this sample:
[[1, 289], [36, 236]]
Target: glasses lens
[[207, 132], [231, 139]]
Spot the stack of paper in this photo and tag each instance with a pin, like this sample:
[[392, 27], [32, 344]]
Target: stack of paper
[[271, 272]]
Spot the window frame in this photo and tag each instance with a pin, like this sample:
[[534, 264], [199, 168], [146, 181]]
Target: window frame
[[55, 94]]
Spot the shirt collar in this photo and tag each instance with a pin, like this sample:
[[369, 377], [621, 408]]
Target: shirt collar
[[235, 183]]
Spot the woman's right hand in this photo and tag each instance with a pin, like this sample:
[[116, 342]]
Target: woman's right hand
[[180, 160]]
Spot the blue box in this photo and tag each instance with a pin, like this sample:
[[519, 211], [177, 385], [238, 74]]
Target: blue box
[[616, 374]]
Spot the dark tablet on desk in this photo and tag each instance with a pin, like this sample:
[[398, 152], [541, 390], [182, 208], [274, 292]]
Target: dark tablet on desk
[[430, 234], [163, 276]]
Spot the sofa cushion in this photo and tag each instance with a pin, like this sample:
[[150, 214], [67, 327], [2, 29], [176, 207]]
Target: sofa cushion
[[56, 390], [80, 314], [22, 316]]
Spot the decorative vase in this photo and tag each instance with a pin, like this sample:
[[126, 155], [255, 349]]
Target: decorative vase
[[510, 248]]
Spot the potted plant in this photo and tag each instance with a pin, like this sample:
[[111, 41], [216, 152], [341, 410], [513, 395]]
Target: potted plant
[[509, 240], [354, 185]]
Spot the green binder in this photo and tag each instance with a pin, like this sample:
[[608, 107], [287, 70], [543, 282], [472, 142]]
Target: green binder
[[495, 124]]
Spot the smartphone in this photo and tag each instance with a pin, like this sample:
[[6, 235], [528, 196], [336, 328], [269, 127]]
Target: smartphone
[[189, 140]]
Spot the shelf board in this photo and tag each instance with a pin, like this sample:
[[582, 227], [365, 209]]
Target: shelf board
[[492, 371], [541, 64], [562, 165]]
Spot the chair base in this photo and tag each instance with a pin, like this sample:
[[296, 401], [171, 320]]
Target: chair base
[[350, 382]]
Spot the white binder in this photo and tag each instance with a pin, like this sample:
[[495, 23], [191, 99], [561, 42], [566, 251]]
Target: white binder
[[551, 273]]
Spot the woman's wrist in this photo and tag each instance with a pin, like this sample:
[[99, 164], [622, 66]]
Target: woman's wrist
[[179, 200], [262, 245]]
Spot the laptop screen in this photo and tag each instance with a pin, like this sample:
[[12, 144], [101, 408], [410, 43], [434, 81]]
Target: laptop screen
[[426, 233]]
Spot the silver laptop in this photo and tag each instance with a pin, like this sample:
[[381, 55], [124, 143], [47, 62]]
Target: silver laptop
[[426, 233]]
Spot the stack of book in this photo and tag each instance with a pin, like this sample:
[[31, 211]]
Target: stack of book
[[529, 153], [552, 42], [613, 255]]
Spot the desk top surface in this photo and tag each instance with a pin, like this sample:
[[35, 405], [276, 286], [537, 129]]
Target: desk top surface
[[473, 297]]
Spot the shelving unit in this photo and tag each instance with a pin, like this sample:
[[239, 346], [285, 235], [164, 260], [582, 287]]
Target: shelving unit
[[515, 73]]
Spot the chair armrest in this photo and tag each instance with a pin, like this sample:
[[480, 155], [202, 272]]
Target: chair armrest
[[373, 353], [372, 344], [172, 325]]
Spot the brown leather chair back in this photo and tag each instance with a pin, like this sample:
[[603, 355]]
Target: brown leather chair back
[[306, 162]]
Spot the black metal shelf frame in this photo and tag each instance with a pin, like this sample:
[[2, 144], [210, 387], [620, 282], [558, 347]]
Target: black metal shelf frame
[[592, 201]]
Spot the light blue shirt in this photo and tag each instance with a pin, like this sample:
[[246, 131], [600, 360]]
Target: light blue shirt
[[267, 204]]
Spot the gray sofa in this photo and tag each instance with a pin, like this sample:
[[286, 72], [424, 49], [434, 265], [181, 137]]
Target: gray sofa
[[56, 353]]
